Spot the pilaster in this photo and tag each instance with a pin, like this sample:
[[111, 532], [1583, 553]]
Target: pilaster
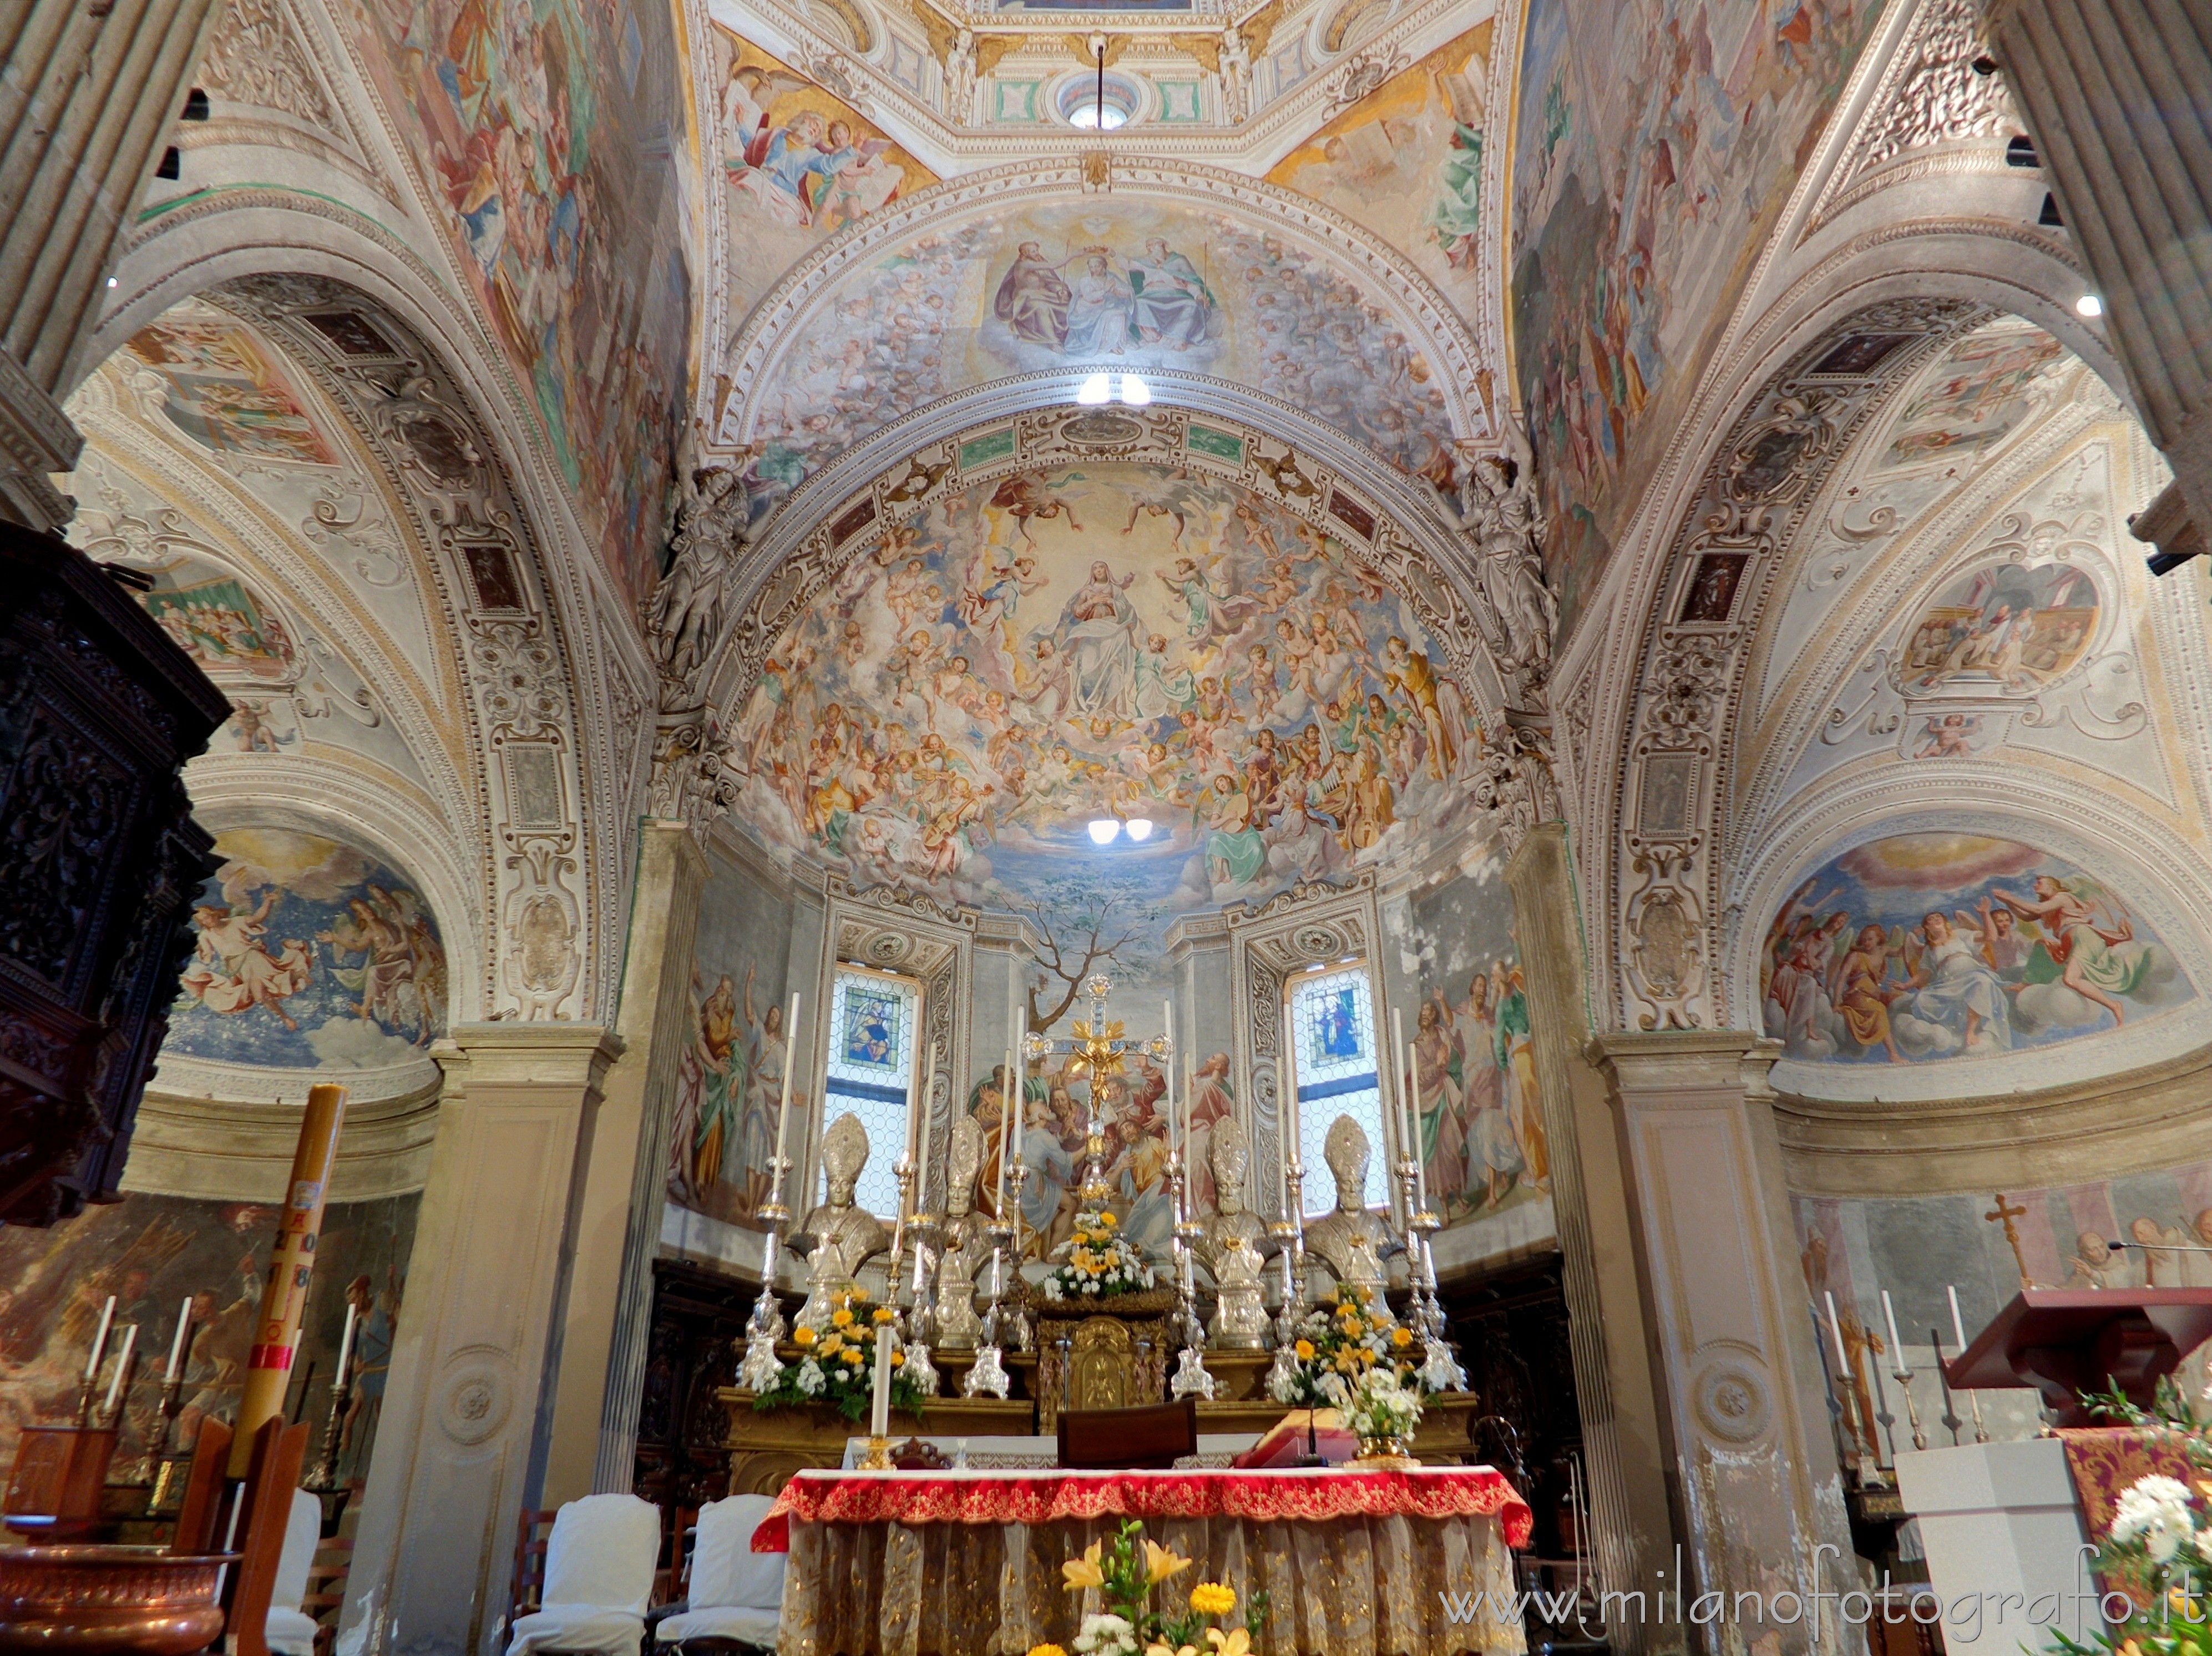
[[1624, 1450], [608, 1311], [466, 1413], [1757, 1494]]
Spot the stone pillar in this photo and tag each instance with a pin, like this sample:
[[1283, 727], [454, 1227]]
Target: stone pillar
[[461, 1443], [1623, 1452], [1758, 1496], [609, 1311], [87, 95], [2114, 95]]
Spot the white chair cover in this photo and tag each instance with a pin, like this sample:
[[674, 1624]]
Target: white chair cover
[[290, 1630], [599, 1576], [745, 1625], [725, 1571]]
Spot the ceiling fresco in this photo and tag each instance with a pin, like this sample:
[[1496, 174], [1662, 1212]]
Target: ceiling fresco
[[1105, 642], [1114, 282], [796, 163], [1406, 161], [1655, 144]]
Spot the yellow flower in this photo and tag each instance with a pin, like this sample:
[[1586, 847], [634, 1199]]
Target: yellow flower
[[884, 1314], [1305, 1351], [1236, 1642], [1107, 1221], [1077, 1574], [1047, 1650], [1402, 1337], [852, 1355], [1160, 1563], [1212, 1598], [803, 1336], [833, 1345], [841, 1317], [898, 1360], [1163, 1650]]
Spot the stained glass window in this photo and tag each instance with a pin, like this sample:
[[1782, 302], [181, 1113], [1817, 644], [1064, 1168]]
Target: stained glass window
[[873, 1021], [1333, 1023]]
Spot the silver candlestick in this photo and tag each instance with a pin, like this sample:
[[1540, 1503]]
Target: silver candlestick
[[762, 1369], [989, 1373], [1191, 1376]]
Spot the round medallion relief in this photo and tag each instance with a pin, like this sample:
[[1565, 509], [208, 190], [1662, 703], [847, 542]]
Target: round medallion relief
[[1731, 1404], [474, 1402]]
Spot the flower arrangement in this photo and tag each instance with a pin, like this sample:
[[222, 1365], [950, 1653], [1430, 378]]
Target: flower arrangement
[[1124, 1571], [1096, 1262], [1342, 1345], [838, 1366], [2156, 1557]]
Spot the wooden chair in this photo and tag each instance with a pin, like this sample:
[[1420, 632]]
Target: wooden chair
[[534, 1531], [326, 1583], [1152, 1436], [677, 1526]]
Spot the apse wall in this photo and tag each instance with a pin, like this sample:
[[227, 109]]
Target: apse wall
[[1969, 824], [1244, 680]]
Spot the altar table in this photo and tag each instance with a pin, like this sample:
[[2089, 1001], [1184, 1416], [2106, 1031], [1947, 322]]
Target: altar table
[[932, 1563]]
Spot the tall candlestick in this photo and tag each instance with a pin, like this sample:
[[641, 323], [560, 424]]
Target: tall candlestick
[[1290, 1112], [1005, 1130], [345, 1351], [879, 1414], [1896, 1345], [1836, 1329], [783, 1107], [177, 1345], [1397, 1112], [928, 1110], [1420, 1161], [1190, 1098], [100, 1341], [1167, 1025], [1958, 1328], [122, 1367]]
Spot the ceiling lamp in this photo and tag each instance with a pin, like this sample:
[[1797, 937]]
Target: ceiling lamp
[[1103, 829], [1097, 389], [1141, 829], [1134, 392], [2090, 305]]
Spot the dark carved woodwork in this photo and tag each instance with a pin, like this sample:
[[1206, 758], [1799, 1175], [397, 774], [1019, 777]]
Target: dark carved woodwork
[[99, 861], [698, 1323], [1511, 1329]]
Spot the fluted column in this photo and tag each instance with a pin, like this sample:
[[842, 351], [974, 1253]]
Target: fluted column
[[1759, 1494], [1624, 1451], [2118, 97], [87, 94]]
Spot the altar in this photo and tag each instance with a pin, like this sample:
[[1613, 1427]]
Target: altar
[[937, 1563]]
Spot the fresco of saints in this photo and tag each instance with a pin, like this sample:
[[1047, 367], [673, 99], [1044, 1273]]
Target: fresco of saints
[[1174, 307], [1099, 314], [767, 1052], [1032, 300], [718, 1055], [1211, 1103], [1515, 1052]]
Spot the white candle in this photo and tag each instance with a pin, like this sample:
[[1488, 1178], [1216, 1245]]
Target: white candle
[[783, 1108], [345, 1350], [1009, 1089], [929, 1109], [1189, 1097], [1421, 1168], [177, 1345], [1958, 1328], [879, 1416], [1896, 1345], [122, 1367], [99, 1341], [1167, 1023], [1836, 1328]]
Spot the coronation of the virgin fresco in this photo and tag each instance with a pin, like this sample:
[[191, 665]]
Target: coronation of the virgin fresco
[[1130, 642], [1924, 947], [1112, 285]]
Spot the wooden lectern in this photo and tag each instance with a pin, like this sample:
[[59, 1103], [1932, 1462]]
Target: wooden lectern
[[2065, 1342]]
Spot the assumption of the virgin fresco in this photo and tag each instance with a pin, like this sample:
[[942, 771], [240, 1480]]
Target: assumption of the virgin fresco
[[1131, 642]]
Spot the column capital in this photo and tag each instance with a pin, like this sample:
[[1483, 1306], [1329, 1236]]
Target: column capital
[[538, 1054], [1686, 1060]]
